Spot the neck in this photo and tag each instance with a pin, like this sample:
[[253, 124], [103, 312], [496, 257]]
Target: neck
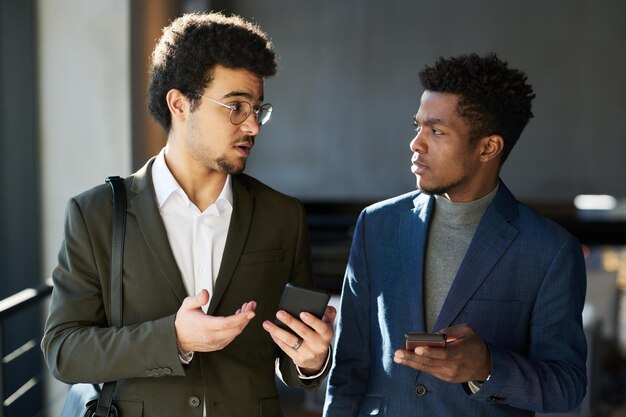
[[485, 188], [201, 184]]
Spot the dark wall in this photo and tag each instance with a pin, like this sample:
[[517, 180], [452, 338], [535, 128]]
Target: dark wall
[[19, 158], [348, 86], [19, 204]]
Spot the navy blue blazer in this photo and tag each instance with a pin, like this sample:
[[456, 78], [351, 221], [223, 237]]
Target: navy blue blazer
[[521, 287]]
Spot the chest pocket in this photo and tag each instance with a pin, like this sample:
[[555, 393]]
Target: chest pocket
[[275, 255]]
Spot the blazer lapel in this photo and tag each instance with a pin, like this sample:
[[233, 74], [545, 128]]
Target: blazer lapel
[[243, 205], [416, 231], [493, 236], [142, 205]]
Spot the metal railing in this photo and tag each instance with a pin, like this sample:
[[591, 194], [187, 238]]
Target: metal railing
[[9, 307]]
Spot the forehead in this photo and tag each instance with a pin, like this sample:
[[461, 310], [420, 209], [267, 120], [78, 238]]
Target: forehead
[[438, 106], [236, 82]]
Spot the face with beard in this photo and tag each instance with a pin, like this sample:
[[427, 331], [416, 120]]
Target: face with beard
[[444, 159], [210, 137]]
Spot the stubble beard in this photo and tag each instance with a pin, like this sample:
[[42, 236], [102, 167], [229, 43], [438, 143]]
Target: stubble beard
[[440, 190], [226, 166]]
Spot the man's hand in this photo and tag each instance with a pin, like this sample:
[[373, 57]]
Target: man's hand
[[198, 332], [465, 358], [308, 352]]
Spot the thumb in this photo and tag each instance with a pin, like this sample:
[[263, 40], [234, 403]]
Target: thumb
[[196, 301], [456, 332], [329, 315]]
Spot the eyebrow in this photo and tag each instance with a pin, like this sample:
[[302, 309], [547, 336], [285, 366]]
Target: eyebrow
[[430, 121], [240, 94]]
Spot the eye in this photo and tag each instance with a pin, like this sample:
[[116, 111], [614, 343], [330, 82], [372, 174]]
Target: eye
[[416, 126], [241, 107], [437, 132]]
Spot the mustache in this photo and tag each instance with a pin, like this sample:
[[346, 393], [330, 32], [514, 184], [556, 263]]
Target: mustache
[[249, 140]]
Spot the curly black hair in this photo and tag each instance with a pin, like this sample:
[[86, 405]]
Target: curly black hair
[[190, 48], [494, 99]]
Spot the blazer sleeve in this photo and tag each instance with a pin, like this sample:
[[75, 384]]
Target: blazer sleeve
[[349, 374], [551, 377], [78, 344], [302, 275]]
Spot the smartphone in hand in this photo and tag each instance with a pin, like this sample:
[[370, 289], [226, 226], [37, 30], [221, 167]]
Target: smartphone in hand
[[297, 299], [415, 339]]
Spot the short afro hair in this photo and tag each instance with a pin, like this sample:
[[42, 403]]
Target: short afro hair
[[190, 48], [493, 98]]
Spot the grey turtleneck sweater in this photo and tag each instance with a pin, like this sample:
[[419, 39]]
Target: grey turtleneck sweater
[[452, 228]]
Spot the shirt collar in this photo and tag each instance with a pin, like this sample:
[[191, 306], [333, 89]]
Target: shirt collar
[[165, 185]]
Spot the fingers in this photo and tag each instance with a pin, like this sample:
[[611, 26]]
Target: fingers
[[286, 341], [423, 359], [246, 307], [225, 323], [294, 324], [321, 327], [250, 306], [309, 325]]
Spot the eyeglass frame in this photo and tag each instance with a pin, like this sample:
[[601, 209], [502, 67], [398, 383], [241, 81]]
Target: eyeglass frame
[[267, 106]]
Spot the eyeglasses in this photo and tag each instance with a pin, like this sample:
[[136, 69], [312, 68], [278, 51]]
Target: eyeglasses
[[240, 111]]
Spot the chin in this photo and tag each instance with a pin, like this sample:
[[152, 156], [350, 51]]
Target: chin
[[422, 188], [426, 191], [235, 170], [230, 168], [430, 189]]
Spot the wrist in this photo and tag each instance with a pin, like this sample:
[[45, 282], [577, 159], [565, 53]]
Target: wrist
[[185, 355]]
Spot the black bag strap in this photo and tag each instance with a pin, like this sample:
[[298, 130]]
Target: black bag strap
[[117, 248], [117, 261]]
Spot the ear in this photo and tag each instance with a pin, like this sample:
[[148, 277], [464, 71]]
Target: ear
[[491, 147], [178, 104]]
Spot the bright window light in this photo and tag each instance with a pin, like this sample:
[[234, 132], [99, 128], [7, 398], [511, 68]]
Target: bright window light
[[595, 202]]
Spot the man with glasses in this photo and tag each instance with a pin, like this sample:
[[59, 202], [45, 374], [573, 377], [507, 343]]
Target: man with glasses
[[502, 286], [208, 249]]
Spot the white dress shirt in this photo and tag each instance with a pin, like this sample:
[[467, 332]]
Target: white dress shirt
[[197, 238]]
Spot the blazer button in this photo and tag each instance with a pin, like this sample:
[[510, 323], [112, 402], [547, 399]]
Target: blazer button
[[193, 401], [420, 390], [149, 372]]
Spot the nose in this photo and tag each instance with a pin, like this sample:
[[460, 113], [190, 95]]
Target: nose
[[250, 126], [418, 144]]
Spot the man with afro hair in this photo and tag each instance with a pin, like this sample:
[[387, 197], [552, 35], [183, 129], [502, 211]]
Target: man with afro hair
[[208, 249], [460, 257]]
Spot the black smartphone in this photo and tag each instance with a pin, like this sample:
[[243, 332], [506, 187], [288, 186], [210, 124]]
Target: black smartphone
[[297, 299], [415, 339]]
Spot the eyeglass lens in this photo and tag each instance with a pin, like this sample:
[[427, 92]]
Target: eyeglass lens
[[242, 110]]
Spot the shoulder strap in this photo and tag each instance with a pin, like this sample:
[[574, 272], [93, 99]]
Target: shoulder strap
[[117, 261], [117, 248]]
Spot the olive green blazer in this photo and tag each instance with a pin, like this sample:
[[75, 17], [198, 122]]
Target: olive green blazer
[[267, 246]]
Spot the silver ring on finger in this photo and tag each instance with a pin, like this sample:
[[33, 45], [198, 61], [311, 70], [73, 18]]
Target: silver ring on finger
[[298, 343]]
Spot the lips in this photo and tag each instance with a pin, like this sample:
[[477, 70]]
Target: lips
[[244, 147], [417, 167]]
